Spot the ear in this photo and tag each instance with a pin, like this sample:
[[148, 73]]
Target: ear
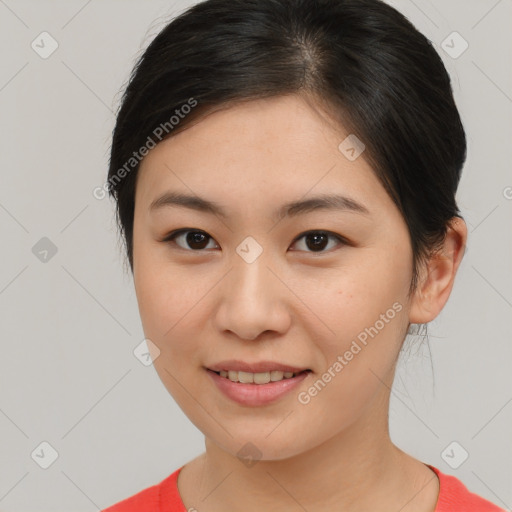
[[438, 275]]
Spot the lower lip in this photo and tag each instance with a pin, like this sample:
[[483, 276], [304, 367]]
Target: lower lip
[[256, 394]]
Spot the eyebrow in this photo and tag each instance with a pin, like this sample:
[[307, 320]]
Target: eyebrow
[[321, 202]]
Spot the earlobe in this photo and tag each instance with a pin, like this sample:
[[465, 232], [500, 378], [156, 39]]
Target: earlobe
[[438, 275]]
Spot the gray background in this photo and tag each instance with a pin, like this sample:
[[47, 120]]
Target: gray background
[[69, 320]]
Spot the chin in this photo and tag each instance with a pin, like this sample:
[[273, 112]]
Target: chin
[[261, 447]]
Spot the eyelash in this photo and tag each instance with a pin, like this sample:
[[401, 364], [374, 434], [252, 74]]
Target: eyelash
[[170, 238]]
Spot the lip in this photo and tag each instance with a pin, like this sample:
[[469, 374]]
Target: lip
[[258, 367], [255, 395]]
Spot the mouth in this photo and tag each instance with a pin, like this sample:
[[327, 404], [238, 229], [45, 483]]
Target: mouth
[[257, 389], [257, 378]]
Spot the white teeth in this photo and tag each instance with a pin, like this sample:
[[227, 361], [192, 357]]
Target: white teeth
[[277, 375], [248, 378], [256, 378]]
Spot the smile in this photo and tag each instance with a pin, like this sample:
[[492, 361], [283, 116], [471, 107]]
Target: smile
[[245, 391], [257, 378]]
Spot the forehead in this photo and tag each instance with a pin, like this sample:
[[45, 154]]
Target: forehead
[[261, 151]]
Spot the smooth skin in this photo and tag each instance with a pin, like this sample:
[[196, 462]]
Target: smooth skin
[[296, 304]]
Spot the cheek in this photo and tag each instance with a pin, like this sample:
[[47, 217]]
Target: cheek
[[156, 284], [175, 308], [363, 313], [167, 302], [166, 305], [343, 302], [358, 359]]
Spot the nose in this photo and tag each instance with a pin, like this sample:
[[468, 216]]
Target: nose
[[252, 300]]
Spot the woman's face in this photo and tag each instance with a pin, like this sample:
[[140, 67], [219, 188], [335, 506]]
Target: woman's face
[[255, 286]]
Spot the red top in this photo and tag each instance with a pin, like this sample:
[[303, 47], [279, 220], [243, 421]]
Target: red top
[[164, 497]]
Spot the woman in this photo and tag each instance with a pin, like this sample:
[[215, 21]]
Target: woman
[[285, 187]]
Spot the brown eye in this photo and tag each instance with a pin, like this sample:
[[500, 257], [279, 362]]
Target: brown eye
[[317, 241], [197, 240], [189, 239]]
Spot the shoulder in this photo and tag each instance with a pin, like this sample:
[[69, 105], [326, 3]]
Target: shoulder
[[455, 497], [144, 501], [152, 499]]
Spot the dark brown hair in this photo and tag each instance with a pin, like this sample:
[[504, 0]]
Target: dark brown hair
[[362, 60]]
